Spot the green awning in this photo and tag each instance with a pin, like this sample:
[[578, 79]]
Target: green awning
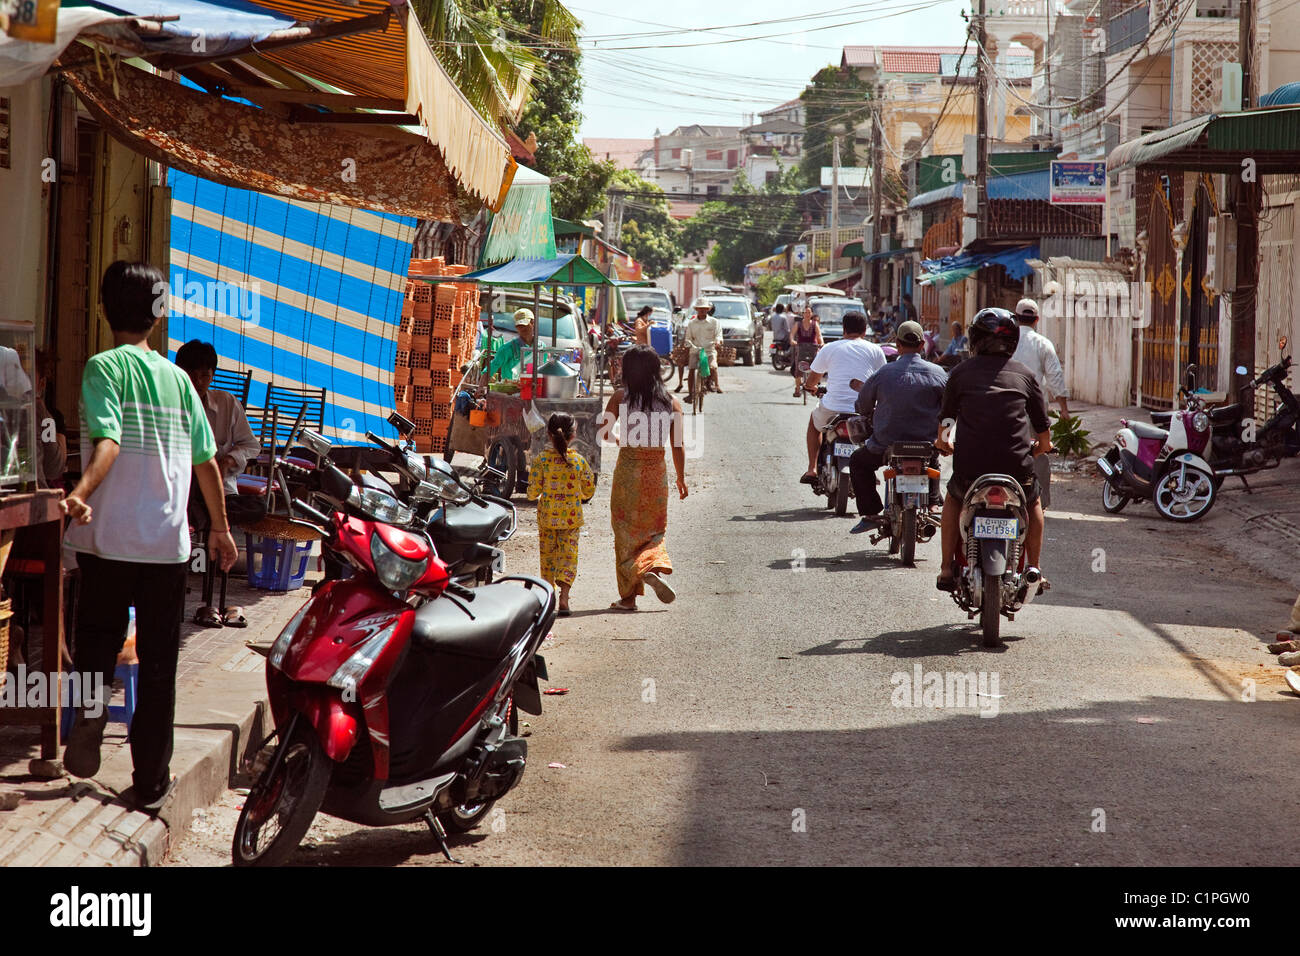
[[1152, 146], [852, 250], [523, 229], [1266, 130], [564, 227], [831, 278], [1219, 142]]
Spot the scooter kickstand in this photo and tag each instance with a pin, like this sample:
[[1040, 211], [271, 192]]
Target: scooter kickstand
[[440, 834]]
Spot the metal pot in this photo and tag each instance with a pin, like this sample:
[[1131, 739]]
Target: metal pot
[[557, 380]]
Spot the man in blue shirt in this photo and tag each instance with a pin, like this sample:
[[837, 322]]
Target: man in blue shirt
[[903, 399]]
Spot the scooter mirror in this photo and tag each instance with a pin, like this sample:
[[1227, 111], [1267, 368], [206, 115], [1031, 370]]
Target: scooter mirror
[[317, 442]]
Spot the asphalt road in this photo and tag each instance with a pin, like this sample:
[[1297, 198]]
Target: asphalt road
[[761, 718]]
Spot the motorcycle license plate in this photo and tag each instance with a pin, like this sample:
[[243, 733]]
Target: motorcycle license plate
[[843, 449], [1003, 528], [911, 484]]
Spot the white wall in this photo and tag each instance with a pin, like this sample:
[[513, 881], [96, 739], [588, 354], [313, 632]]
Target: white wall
[[23, 205]]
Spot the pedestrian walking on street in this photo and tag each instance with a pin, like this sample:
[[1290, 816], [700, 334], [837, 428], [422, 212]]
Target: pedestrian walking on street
[[1037, 353], [648, 418], [149, 434], [560, 480]]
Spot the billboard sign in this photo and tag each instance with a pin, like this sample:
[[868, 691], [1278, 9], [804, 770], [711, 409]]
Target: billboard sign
[[1078, 182]]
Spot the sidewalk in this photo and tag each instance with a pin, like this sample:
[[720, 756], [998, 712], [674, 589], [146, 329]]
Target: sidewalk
[[219, 709], [1260, 527]]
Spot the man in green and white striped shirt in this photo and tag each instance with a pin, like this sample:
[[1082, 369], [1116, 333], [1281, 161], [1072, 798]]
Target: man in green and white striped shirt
[[143, 433]]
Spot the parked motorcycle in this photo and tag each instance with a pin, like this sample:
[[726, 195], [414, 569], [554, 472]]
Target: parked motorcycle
[[909, 472], [1181, 468], [990, 578], [387, 710], [781, 355]]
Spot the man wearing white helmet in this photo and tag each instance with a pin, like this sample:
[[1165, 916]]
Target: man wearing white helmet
[[1037, 353], [703, 332]]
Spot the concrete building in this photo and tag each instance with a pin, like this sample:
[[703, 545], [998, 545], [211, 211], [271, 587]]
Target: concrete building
[[695, 160]]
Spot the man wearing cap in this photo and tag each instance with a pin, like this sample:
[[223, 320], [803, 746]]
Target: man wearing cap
[[703, 332], [1036, 353], [903, 399], [509, 358]]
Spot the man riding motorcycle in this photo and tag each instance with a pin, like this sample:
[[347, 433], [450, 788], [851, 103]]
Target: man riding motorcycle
[[903, 400], [1001, 424], [847, 363]]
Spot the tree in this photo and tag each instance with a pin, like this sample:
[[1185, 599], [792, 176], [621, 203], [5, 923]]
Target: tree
[[470, 39], [836, 101], [650, 234], [770, 286], [747, 228]]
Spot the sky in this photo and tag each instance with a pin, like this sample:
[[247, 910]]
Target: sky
[[634, 81]]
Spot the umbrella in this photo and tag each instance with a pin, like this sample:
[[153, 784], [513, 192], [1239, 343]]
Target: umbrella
[[812, 290]]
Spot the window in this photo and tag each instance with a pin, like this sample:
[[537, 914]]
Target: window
[[771, 176], [915, 89], [713, 154], [677, 153], [714, 191], [733, 157]]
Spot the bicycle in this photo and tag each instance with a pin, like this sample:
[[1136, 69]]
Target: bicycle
[[699, 380], [804, 369]]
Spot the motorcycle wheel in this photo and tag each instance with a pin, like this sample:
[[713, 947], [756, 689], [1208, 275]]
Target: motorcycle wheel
[[908, 544], [991, 612], [841, 497], [501, 456], [666, 369], [1184, 504], [465, 818], [287, 800], [1111, 500]]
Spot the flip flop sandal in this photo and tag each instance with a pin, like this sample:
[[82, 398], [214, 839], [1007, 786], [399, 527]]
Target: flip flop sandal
[[807, 479], [234, 617], [1044, 585], [948, 584], [662, 589], [208, 617], [616, 606], [1292, 681]]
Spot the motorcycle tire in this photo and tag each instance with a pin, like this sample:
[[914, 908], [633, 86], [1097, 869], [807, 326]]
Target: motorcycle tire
[[991, 612], [907, 547], [1162, 495], [1112, 501], [666, 369], [301, 776], [841, 497], [463, 819], [747, 356], [758, 353]]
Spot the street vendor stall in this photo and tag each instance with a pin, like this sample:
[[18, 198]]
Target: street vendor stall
[[504, 421]]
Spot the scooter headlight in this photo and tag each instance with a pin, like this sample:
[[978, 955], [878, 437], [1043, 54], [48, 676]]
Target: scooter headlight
[[394, 571], [358, 665], [281, 645], [1201, 422]]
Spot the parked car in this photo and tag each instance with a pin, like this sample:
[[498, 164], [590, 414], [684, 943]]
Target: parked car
[[741, 330], [830, 312], [636, 298], [569, 334]]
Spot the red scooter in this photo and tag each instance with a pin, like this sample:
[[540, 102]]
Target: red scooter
[[393, 691]]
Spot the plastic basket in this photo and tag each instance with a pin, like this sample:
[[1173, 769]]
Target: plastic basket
[[276, 565]]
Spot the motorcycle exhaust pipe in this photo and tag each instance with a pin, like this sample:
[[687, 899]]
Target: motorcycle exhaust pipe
[[1029, 582]]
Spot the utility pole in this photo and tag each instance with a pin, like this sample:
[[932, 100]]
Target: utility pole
[[1246, 210], [981, 144], [877, 135], [835, 199]]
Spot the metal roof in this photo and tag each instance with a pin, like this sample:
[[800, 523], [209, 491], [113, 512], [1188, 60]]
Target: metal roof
[[1029, 185], [1219, 142]]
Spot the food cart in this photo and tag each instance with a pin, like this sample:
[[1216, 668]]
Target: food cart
[[499, 430]]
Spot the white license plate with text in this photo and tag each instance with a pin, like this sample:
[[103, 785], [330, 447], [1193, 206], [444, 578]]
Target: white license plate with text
[[912, 484], [843, 449], [1002, 528]]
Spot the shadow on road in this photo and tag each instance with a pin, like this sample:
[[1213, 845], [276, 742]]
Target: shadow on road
[[1114, 783], [957, 638]]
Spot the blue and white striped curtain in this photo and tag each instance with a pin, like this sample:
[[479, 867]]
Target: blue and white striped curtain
[[304, 294]]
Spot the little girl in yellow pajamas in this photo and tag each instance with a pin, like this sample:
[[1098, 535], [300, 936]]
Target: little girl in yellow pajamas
[[559, 480]]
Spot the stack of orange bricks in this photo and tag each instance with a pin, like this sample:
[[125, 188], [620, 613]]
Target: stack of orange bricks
[[435, 338]]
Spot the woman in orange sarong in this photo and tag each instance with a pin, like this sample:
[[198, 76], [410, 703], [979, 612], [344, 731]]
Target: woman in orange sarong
[[647, 419]]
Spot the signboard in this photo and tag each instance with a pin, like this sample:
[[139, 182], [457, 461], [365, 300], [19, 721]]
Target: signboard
[[1078, 182], [32, 20], [799, 254], [851, 177], [523, 229]]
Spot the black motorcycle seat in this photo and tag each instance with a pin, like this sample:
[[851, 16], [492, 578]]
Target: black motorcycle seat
[[472, 522], [910, 449], [483, 628], [1142, 430]]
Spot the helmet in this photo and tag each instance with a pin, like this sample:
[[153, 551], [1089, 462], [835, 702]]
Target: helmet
[[1027, 309], [994, 332], [703, 302]]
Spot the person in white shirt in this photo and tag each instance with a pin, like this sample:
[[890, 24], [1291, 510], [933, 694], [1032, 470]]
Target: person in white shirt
[[1037, 353], [703, 332], [845, 364]]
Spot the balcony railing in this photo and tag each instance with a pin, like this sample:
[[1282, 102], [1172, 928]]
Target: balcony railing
[[1129, 24]]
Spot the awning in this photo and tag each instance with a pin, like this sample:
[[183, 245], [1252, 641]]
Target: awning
[[851, 250], [954, 268], [886, 254], [562, 227], [1152, 146], [250, 148], [523, 229], [368, 48], [831, 278], [562, 270], [1030, 185]]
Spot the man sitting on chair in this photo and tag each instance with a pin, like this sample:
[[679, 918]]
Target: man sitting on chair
[[236, 446]]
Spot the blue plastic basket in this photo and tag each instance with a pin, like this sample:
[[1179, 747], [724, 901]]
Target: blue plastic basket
[[661, 339], [275, 565]]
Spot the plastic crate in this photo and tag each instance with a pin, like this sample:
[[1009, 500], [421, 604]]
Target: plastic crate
[[276, 565]]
